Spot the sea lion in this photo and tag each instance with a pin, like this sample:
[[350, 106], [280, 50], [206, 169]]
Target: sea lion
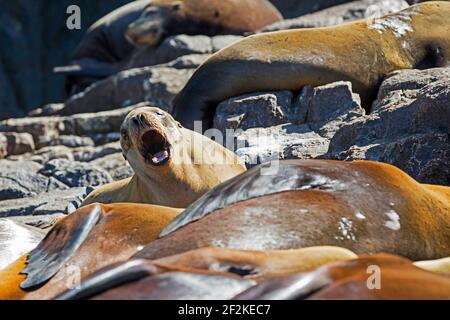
[[102, 48], [361, 52], [173, 166], [145, 280], [16, 239], [258, 265], [164, 18], [86, 240], [397, 279], [363, 206]]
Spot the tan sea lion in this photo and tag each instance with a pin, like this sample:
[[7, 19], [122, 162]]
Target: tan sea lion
[[88, 239], [208, 17], [258, 265], [361, 52], [380, 276], [173, 166], [363, 206]]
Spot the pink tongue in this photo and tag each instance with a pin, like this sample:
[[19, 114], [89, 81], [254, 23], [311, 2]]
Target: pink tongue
[[160, 156]]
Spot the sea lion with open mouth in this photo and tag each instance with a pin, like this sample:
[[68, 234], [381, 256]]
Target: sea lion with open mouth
[[173, 166], [362, 52]]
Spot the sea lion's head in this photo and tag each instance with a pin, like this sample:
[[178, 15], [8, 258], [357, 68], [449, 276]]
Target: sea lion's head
[[150, 28], [148, 136]]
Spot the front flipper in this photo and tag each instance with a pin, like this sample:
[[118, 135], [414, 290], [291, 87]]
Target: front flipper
[[59, 245]]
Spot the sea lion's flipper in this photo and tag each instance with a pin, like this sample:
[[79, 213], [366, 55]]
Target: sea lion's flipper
[[296, 287], [59, 245], [109, 277]]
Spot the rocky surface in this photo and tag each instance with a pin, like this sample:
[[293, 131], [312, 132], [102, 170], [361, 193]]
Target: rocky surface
[[339, 14], [47, 161]]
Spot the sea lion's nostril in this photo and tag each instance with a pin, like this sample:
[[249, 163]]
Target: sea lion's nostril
[[136, 121]]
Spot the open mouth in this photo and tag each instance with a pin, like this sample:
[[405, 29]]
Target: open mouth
[[155, 148]]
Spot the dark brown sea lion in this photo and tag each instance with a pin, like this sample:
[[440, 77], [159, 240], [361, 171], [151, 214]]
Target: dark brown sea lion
[[102, 48], [173, 166], [361, 52], [364, 206], [163, 18], [88, 239], [145, 280], [378, 277]]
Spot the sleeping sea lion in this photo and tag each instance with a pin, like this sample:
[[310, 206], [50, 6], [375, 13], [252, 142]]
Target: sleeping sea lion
[[164, 18], [173, 166], [363, 206], [361, 52], [397, 279], [102, 48], [88, 239], [258, 265]]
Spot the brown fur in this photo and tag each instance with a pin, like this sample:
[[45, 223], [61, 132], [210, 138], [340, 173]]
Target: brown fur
[[170, 17], [197, 164], [121, 232], [364, 206], [361, 52]]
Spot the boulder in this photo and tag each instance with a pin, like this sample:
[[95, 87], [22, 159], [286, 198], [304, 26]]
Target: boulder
[[409, 126], [338, 14], [75, 174]]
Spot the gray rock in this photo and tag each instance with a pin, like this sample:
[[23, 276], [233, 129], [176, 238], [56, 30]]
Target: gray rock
[[254, 110], [220, 42], [408, 127], [72, 141], [17, 143], [116, 165], [87, 154], [3, 146], [19, 179], [329, 102], [46, 203], [335, 15], [190, 61], [75, 174]]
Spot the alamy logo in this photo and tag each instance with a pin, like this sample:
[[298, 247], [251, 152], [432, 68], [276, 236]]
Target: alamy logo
[[374, 280], [73, 22]]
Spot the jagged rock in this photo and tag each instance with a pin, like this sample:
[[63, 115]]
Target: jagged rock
[[19, 179], [72, 141], [116, 165], [18, 143], [329, 102], [46, 203], [177, 46], [3, 146], [88, 154], [75, 174], [47, 129], [190, 61], [409, 126], [254, 110], [157, 85], [339, 14]]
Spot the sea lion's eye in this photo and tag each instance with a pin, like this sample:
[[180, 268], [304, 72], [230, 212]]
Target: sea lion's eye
[[124, 134], [160, 113]]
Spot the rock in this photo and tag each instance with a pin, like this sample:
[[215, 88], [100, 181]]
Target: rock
[[329, 102], [340, 14], [72, 141], [46, 154], [190, 61], [34, 38], [177, 46], [14, 143], [75, 174], [287, 141], [19, 179], [157, 85], [116, 165], [87, 154], [47, 129], [46, 203], [409, 126], [254, 110]]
